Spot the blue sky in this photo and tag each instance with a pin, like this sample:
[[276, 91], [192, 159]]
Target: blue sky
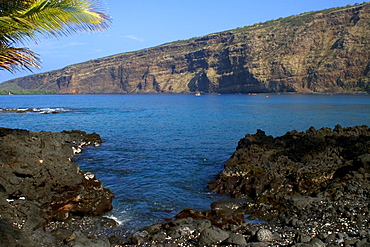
[[139, 24]]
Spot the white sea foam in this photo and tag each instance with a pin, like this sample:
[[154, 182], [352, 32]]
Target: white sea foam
[[120, 222], [46, 110]]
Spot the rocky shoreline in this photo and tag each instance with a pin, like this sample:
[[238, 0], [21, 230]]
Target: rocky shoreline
[[310, 188], [41, 185]]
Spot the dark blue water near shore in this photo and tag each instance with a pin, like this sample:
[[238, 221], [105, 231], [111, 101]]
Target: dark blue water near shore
[[160, 151]]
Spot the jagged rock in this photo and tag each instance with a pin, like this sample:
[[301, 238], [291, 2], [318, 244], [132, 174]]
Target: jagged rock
[[40, 183], [299, 168], [323, 51]]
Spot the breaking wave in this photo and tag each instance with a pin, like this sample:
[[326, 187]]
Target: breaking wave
[[36, 110]]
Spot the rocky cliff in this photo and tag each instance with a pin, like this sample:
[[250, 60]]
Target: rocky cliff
[[322, 51]]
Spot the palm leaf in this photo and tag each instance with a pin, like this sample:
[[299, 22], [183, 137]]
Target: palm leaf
[[22, 20], [13, 59], [64, 17]]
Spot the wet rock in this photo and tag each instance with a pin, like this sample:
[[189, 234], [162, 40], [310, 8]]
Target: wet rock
[[39, 182], [212, 236], [153, 228], [201, 225], [217, 216], [226, 205]]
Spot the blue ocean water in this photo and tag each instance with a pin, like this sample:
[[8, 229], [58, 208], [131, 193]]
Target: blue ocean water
[[160, 151]]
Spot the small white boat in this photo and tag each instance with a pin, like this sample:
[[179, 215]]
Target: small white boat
[[197, 94]]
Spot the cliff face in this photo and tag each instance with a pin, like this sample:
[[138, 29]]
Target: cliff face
[[325, 51]]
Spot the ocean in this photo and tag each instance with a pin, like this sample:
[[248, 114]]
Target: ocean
[[160, 151]]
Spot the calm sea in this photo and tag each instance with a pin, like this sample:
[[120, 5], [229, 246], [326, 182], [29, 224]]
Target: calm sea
[[160, 151]]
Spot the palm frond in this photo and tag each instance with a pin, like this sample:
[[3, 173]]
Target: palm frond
[[14, 30], [65, 17], [22, 20], [13, 59]]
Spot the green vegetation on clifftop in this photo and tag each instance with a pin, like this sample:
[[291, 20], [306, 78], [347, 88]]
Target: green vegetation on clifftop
[[27, 91]]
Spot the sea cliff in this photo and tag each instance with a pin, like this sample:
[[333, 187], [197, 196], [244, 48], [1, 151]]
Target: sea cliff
[[317, 52]]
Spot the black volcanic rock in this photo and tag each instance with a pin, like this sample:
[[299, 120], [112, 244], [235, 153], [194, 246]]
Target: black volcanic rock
[[322, 51], [40, 184], [323, 163], [312, 188]]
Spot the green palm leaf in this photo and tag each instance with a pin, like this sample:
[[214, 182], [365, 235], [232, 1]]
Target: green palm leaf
[[21, 21], [65, 17]]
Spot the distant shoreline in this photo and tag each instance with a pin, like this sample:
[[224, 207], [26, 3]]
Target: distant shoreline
[[32, 92]]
